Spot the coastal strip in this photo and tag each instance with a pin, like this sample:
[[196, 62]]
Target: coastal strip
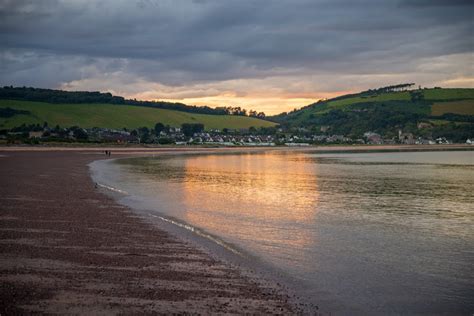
[[67, 248]]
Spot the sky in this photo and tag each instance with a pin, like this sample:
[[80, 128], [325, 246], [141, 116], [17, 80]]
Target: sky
[[270, 56]]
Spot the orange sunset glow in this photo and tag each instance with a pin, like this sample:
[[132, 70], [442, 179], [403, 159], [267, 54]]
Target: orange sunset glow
[[271, 100], [269, 105]]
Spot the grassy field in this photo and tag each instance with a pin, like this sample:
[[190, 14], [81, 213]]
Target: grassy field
[[342, 103], [377, 98], [464, 107], [117, 116], [448, 94]]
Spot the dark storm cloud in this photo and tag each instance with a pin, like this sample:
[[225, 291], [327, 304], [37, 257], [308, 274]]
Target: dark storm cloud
[[47, 42], [431, 3]]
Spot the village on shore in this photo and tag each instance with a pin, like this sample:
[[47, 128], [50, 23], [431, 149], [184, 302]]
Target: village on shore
[[194, 134]]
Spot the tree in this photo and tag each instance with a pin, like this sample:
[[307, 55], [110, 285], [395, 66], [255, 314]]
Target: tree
[[79, 133], [159, 127], [417, 96], [189, 129], [144, 134], [143, 130]]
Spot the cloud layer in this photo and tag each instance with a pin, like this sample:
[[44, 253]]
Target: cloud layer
[[269, 55]]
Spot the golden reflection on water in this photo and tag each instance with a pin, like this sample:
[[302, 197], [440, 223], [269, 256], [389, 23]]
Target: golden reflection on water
[[265, 190]]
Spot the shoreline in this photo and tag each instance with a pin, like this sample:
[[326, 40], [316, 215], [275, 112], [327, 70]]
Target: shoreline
[[321, 303], [249, 264], [68, 248], [136, 150]]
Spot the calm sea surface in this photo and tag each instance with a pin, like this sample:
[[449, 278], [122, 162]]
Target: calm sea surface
[[372, 233]]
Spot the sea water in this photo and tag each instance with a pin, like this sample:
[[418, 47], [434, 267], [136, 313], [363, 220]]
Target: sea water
[[361, 233]]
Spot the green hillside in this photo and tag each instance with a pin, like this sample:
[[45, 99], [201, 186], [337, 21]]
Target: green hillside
[[387, 112], [452, 97], [116, 116]]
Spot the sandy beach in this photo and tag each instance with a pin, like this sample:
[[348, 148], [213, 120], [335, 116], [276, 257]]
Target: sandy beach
[[68, 248]]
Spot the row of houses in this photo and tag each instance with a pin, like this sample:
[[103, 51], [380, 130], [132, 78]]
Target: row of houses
[[176, 136], [404, 138]]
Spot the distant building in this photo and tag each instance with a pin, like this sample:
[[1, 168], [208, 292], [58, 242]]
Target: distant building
[[442, 140], [175, 129], [36, 134], [373, 138], [296, 144], [406, 138], [324, 128], [423, 125]]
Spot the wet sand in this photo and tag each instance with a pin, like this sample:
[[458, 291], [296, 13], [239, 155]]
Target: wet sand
[[67, 248]]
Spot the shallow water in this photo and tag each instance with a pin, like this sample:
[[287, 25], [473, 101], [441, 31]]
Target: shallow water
[[372, 233]]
